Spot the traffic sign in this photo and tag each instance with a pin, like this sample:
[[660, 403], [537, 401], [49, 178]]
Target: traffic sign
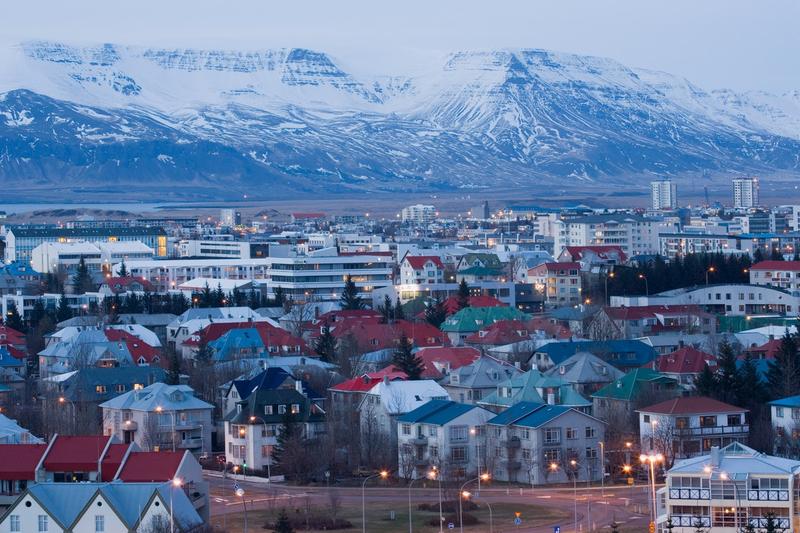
[[451, 525], [556, 529], [517, 521]]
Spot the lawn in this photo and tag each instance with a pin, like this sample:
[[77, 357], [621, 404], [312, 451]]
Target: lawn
[[379, 517]]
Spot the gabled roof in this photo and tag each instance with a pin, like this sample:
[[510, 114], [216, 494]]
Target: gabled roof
[[789, 401], [418, 262], [528, 414], [19, 461], [691, 405], [500, 333], [310, 410], [151, 466], [112, 460], [372, 336], [72, 453], [82, 385], [602, 251], [624, 353], [471, 319], [437, 412], [687, 360], [629, 385], [486, 371], [585, 367], [167, 397], [118, 285], [451, 303], [398, 397], [365, 382]]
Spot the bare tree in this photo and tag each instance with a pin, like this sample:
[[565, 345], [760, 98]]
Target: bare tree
[[298, 317]]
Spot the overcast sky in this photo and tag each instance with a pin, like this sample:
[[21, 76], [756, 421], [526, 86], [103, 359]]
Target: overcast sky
[[735, 44]]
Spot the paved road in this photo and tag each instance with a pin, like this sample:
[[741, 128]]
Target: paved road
[[622, 504]]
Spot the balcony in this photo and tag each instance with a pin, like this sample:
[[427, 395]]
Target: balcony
[[512, 464], [130, 425], [191, 444], [420, 440], [187, 425], [513, 443], [770, 495], [712, 431], [421, 462]]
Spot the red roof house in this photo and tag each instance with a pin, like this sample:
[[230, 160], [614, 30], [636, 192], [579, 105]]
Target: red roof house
[[451, 304], [687, 360], [18, 461], [141, 352], [113, 459], [76, 453], [371, 337], [600, 254], [146, 467], [417, 262], [691, 405], [120, 285]]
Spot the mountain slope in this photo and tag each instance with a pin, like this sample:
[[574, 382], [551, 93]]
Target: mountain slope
[[210, 123]]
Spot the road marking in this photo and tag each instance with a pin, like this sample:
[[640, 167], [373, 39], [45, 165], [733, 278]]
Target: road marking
[[220, 500], [544, 497]]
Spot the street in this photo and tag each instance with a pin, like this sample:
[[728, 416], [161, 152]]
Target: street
[[626, 505]]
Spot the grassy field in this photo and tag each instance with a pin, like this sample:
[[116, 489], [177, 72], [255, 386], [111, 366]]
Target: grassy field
[[379, 521]]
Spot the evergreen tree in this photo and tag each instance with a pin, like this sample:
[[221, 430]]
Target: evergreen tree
[[462, 297], [123, 270], [325, 346], [706, 382], [280, 298], [386, 310], [728, 385], [219, 296], [796, 256], [748, 527], [399, 313], [204, 355], [752, 393], [698, 525], [174, 371], [772, 525], [758, 255], [254, 299], [63, 311], [405, 360], [37, 314], [776, 254], [350, 299], [783, 375], [206, 297], [435, 313], [13, 320], [82, 280], [290, 432], [283, 524]]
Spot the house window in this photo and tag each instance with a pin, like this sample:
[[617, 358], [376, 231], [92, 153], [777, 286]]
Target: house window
[[734, 420], [99, 523], [281, 409], [551, 455], [779, 412], [591, 453], [646, 419], [682, 422], [552, 435], [100, 389], [526, 454], [708, 421], [459, 453], [406, 428], [432, 431], [434, 451], [590, 431], [15, 524], [458, 433], [120, 388], [572, 433], [42, 523], [266, 450], [267, 409], [295, 408], [526, 433]]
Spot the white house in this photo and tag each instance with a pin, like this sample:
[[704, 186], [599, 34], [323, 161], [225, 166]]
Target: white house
[[441, 434], [421, 269]]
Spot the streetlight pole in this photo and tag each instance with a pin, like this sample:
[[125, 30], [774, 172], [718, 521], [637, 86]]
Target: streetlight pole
[[176, 483], [461, 494], [646, 286], [474, 433], [383, 474], [240, 493], [429, 475], [554, 468], [710, 269], [609, 275], [652, 459]]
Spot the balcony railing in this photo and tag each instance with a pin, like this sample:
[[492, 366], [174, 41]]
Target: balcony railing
[[680, 520], [420, 440], [780, 495], [712, 430], [191, 443], [689, 494], [513, 442]]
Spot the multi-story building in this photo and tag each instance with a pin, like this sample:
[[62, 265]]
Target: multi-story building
[[635, 234], [160, 417], [421, 269], [418, 214], [214, 249], [526, 441], [785, 415], [442, 434], [688, 426], [51, 257], [780, 274], [560, 283], [676, 244], [20, 241], [745, 192], [663, 194], [728, 489], [301, 277]]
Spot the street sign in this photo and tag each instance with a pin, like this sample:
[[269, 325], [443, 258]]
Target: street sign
[[556, 529], [517, 521], [652, 527], [630, 481], [451, 525]]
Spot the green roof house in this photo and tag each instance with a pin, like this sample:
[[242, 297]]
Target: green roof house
[[623, 393], [472, 319]]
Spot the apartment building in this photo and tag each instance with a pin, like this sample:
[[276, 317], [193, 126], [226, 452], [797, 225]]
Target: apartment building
[[635, 234], [663, 195], [745, 192], [560, 283], [780, 274]]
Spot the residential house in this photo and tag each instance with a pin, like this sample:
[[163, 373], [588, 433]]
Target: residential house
[[488, 262], [13, 433], [623, 354], [534, 387], [594, 258], [160, 417], [118, 286], [471, 383], [18, 463], [684, 365], [443, 434], [689, 426], [382, 405], [253, 427], [631, 322], [785, 416], [585, 372], [560, 283], [473, 319], [729, 488], [241, 340], [273, 377], [526, 440], [421, 270], [780, 274], [621, 395], [107, 507]]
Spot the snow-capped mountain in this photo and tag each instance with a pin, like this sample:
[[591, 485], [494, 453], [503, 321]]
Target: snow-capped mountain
[[267, 122]]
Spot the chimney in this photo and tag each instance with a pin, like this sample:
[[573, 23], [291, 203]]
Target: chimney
[[680, 344], [386, 379], [715, 456], [772, 337], [298, 385]]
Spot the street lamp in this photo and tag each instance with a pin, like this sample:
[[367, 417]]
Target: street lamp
[[240, 493], [709, 270], [554, 468], [160, 410], [438, 475], [383, 474], [467, 495], [609, 275], [429, 475], [474, 432], [176, 483], [646, 286], [461, 492], [652, 459], [253, 418]]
